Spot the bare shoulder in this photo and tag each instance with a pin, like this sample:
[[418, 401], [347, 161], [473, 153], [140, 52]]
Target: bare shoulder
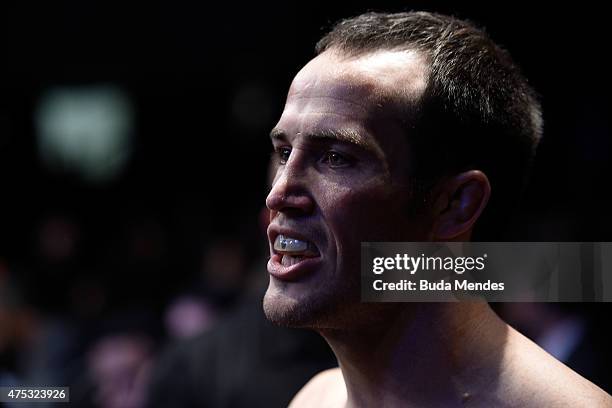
[[538, 379], [324, 390], [566, 388]]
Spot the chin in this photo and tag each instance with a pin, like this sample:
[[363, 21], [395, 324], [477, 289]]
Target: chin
[[323, 308], [288, 311]]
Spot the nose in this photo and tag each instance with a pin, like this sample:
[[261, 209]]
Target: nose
[[290, 192]]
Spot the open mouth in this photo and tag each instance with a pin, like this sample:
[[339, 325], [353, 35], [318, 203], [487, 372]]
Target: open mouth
[[293, 250], [292, 257]]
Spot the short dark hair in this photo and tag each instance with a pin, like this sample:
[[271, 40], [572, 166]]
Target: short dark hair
[[477, 112]]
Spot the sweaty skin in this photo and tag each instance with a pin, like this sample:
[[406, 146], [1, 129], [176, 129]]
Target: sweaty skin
[[341, 179], [347, 112]]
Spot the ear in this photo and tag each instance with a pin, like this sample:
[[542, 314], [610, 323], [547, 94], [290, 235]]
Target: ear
[[458, 204]]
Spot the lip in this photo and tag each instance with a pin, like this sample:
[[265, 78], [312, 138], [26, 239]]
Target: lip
[[294, 272]]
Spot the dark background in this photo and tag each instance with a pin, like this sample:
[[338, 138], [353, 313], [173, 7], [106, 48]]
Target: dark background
[[206, 82]]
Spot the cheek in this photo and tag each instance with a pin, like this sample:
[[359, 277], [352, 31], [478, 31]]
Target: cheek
[[370, 213]]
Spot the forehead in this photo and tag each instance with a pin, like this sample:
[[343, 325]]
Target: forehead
[[373, 75], [361, 95]]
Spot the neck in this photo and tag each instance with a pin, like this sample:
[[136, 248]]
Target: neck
[[422, 354]]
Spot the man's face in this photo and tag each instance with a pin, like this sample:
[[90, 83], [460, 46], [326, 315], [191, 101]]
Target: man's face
[[341, 179]]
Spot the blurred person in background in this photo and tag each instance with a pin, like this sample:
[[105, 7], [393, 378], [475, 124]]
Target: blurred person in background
[[218, 286], [115, 367], [11, 330], [34, 349], [120, 367]]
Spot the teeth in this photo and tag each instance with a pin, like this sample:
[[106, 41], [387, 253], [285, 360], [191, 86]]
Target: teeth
[[288, 260], [287, 244]]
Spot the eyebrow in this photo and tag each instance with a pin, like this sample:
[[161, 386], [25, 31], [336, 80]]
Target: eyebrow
[[343, 135]]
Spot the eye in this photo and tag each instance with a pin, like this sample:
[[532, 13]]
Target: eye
[[283, 154], [335, 159]]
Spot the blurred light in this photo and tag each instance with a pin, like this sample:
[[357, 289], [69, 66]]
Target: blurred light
[[188, 316], [85, 129]]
